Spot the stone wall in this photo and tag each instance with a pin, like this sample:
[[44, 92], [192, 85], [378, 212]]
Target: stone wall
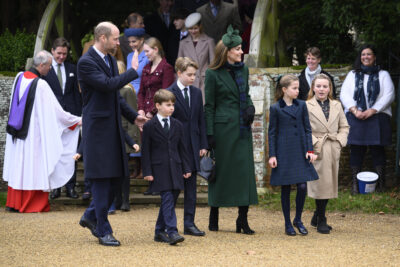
[[5, 87]]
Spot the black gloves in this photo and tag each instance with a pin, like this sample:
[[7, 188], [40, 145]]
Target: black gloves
[[211, 142], [248, 115]]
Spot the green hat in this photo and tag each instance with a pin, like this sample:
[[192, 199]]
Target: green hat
[[231, 38]]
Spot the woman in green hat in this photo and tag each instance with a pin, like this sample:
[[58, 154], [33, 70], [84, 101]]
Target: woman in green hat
[[229, 114]]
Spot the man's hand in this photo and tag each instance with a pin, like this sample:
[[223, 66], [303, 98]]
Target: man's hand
[[140, 121], [187, 175], [136, 148], [149, 178], [135, 60]]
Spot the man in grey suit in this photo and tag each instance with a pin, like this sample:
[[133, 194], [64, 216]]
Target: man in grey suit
[[216, 17]]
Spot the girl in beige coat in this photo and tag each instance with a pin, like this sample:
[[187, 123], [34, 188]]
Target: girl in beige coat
[[199, 47], [329, 134]]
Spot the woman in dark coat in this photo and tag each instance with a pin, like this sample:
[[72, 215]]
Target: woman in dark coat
[[229, 114], [290, 149], [313, 58], [158, 74], [367, 94]]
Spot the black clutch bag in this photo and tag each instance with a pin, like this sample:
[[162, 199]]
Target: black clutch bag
[[207, 167]]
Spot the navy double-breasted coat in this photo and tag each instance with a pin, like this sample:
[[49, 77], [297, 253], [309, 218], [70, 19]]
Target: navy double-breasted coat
[[193, 120], [289, 139], [164, 155], [102, 133]]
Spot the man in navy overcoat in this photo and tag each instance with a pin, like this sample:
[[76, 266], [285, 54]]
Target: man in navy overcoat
[[64, 83], [102, 134], [190, 113]]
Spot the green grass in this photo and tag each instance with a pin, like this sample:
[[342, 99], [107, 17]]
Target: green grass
[[388, 202], [3, 198]]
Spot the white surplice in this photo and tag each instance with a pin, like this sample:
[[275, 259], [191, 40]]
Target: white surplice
[[43, 161]]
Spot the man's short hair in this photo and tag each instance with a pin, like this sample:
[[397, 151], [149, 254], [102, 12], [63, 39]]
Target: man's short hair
[[41, 57], [60, 42], [180, 13], [103, 28], [182, 63], [164, 95]]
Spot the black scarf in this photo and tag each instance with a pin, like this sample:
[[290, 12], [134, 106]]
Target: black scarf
[[373, 87]]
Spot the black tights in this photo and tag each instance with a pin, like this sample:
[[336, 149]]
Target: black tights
[[321, 207], [300, 199]]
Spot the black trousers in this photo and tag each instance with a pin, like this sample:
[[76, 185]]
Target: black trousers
[[357, 154]]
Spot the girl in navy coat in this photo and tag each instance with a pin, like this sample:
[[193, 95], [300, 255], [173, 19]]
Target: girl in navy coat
[[290, 149]]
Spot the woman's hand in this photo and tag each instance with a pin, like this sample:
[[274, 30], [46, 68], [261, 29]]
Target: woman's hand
[[149, 115], [273, 163], [368, 113], [136, 148], [149, 178], [311, 156], [203, 152]]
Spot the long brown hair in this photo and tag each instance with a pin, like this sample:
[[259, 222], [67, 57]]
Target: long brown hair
[[320, 76], [221, 56], [284, 81]]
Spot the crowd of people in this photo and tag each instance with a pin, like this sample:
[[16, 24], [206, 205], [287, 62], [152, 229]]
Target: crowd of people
[[169, 89]]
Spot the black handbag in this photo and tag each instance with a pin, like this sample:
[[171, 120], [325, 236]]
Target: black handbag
[[207, 167]]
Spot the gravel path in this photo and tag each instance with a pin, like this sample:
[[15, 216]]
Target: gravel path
[[56, 239]]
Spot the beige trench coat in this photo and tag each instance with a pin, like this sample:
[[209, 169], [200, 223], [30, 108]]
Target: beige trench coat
[[202, 54], [328, 139]]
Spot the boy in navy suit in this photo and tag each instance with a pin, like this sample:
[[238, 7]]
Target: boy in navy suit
[[165, 164], [189, 111]]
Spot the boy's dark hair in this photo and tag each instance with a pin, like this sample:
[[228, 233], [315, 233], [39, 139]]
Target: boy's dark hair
[[180, 13], [164, 95], [182, 63], [60, 42]]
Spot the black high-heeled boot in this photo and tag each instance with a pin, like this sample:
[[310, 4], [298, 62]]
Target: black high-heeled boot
[[242, 223], [213, 221]]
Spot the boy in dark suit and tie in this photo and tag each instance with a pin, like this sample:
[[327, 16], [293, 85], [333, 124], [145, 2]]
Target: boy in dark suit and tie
[[165, 164], [189, 111]]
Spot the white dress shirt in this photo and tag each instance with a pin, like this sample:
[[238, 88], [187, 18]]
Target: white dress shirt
[[182, 87], [160, 118]]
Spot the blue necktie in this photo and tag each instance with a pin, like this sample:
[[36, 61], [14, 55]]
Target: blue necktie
[[107, 61], [166, 126]]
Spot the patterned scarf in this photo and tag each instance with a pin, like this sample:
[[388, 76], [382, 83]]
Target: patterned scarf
[[237, 70], [373, 87]]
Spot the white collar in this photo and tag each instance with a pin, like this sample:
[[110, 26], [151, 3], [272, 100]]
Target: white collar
[[55, 64], [181, 86], [160, 119], [99, 52]]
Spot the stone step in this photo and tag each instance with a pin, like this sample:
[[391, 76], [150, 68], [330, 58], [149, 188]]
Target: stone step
[[134, 199]]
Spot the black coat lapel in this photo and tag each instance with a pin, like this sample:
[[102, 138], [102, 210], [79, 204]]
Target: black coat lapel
[[100, 61], [180, 99]]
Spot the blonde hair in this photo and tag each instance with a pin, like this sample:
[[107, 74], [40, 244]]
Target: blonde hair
[[285, 81], [320, 76], [153, 43], [221, 56], [164, 95], [182, 63]]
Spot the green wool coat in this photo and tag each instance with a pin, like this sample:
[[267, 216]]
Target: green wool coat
[[235, 180]]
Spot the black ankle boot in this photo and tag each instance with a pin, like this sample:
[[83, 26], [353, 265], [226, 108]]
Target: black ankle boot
[[380, 184], [213, 221], [242, 223], [322, 226], [354, 171]]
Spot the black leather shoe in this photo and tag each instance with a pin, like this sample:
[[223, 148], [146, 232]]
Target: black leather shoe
[[86, 196], [147, 193], [125, 207], [109, 240], [193, 230], [290, 231], [302, 229], [86, 223], [71, 193], [161, 237], [55, 193], [175, 238]]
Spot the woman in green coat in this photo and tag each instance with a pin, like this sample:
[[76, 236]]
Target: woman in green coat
[[229, 114]]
